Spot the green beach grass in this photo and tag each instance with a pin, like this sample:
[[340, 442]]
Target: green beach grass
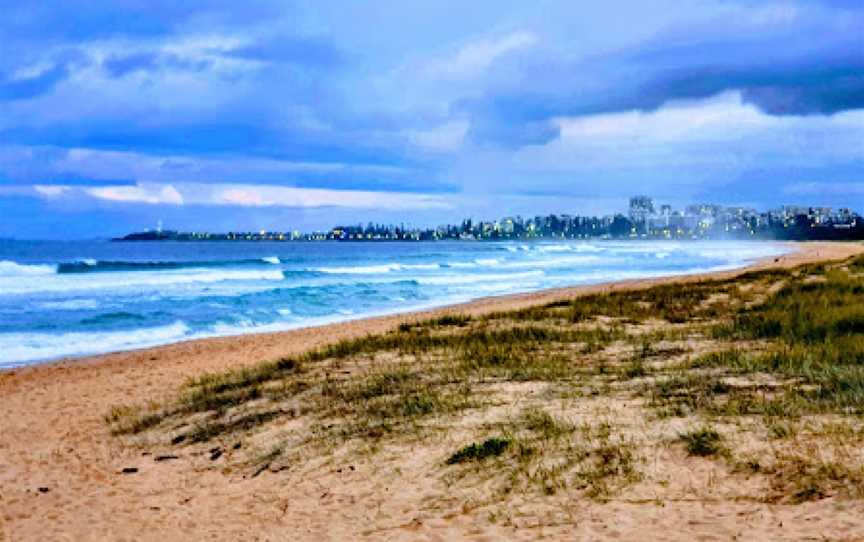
[[751, 373]]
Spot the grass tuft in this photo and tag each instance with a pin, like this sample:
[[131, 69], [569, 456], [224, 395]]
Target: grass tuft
[[702, 442], [491, 447]]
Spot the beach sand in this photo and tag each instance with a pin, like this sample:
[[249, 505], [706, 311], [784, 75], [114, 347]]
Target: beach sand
[[61, 470]]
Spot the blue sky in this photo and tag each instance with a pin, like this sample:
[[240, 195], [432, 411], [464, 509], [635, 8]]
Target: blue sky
[[303, 114]]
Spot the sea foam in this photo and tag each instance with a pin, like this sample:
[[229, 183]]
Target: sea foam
[[19, 348], [15, 269], [374, 269], [28, 284]]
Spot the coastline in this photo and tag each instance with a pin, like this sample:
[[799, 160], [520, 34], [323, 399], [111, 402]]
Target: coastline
[[54, 436], [115, 301], [418, 310]]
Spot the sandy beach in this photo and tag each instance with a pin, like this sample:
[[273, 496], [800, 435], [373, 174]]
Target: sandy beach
[[61, 471]]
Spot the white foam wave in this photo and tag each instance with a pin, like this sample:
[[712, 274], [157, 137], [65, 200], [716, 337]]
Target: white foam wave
[[527, 263], [587, 247], [14, 269], [125, 281], [359, 269], [568, 247], [374, 269], [551, 262], [648, 247], [271, 259], [738, 253], [555, 248], [245, 325], [23, 347], [474, 279]]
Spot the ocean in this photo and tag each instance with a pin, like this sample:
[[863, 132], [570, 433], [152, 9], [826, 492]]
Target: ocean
[[60, 299]]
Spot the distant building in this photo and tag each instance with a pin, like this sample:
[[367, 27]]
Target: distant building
[[641, 210]]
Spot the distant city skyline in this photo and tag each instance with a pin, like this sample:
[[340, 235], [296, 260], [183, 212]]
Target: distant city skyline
[[114, 115], [643, 219]]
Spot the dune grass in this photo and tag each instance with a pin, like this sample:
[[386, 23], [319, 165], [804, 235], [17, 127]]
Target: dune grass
[[703, 442], [752, 357], [493, 446]]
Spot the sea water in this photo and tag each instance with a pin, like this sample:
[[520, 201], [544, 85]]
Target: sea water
[[60, 299]]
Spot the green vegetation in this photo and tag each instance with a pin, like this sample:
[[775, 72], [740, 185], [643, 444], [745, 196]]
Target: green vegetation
[[703, 442], [490, 447], [544, 454], [776, 357]]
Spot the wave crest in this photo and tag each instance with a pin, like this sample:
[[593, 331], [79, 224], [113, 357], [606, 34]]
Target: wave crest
[[9, 268]]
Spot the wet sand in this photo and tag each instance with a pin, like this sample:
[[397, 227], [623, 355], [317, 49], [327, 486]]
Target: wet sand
[[61, 471]]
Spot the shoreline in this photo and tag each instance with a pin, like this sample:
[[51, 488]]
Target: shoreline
[[311, 336], [55, 438], [428, 309]]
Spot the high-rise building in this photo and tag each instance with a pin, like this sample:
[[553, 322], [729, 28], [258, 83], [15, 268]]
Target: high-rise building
[[641, 209]]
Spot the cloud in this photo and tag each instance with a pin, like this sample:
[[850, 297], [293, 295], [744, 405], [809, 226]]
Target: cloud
[[245, 195], [721, 117], [280, 196], [231, 106], [474, 58], [446, 137], [118, 66], [722, 130], [31, 84], [215, 53], [682, 150], [787, 60], [121, 65], [82, 166], [51, 191], [151, 194], [306, 51]]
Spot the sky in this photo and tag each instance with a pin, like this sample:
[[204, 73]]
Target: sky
[[305, 114]]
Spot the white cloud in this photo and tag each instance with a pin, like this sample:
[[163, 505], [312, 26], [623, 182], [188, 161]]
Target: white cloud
[[246, 197], [282, 196], [719, 117], [153, 194], [33, 164], [32, 71], [243, 195], [50, 191], [474, 58], [721, 131]]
